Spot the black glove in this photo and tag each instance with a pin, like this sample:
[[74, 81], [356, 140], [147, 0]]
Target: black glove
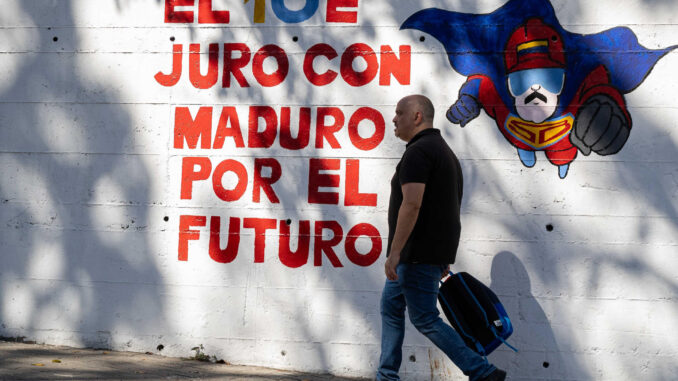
[[464, 110], [600, 126]]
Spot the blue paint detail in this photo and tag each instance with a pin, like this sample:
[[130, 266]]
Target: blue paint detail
[[475, 44], [537, 49], [550, 79], [471, 88], [562, 170], [528, 158], [293, 17]]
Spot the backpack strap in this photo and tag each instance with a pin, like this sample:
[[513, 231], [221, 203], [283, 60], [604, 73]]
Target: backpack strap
[[489, 325]]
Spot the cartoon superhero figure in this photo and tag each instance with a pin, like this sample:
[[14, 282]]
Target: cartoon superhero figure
[[535, 64], [547, 89]]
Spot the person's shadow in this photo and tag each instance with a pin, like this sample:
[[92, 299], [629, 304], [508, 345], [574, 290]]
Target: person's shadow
[[538, 357]]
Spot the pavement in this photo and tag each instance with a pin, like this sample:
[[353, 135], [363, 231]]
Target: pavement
[[21, 361]]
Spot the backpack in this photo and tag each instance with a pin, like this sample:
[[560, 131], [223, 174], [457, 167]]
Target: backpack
[[475, 312]]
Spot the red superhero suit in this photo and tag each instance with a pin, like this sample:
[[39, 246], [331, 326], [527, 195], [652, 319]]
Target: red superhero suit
[[563, 151], [595, 120]]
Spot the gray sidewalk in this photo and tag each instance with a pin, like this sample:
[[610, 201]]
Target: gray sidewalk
[[19, 361]]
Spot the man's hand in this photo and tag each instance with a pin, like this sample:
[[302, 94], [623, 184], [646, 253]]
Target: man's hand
[[600, 126], [464, 110], [391, 265], [446, 272]]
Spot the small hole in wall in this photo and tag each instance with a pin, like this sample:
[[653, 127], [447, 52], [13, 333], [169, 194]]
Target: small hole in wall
[[413, 359], [288, 221], [166, 219], [295, 38], [160, 347], [55, 39], [422, 38], [172, 38], [283, 353], [545, 364], [549, 228]]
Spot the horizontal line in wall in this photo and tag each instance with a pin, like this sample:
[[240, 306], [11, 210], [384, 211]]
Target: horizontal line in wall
[[281, 208], [299, 52], [572, 243], [217, 154], [244, 233], [176, 26], [91, 283], [48, 153], [88, 103], [211, 104], [118, 334], [251, 233], [186, 285], [587, 298], [244, 105], [198, 207]]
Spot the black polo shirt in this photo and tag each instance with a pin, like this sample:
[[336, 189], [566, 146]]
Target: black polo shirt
[[435, 238]]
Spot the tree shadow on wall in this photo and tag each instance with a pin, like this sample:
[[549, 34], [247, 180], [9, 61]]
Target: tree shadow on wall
[[109, 289], [77, 265]]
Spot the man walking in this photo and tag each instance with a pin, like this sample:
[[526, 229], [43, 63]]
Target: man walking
[[424, 227]]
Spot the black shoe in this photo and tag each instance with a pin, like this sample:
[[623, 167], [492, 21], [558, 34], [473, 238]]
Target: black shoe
[[496, 375]]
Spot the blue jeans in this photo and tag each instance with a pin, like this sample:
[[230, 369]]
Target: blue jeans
[[417, 289]]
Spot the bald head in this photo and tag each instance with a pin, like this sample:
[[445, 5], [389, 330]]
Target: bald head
[[421, 103], [414, 113]]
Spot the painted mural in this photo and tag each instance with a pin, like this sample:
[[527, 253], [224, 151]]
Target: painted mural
[[189, 173], [260, 132], [547, 89]]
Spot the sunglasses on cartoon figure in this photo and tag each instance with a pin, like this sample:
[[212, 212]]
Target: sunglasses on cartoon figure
[[551, 79]]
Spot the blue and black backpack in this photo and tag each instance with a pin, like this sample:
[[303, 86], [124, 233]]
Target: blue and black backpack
[[475, 312]]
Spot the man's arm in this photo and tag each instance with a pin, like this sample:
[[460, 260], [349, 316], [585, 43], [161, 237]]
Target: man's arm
[[413, 193]]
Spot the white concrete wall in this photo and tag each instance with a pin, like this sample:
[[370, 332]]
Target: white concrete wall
[[90, 199]]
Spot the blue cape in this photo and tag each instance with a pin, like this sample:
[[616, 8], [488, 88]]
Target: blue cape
[[474, 44]]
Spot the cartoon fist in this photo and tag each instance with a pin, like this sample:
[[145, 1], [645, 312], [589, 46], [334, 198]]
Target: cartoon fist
[[600, 126], [464, 110]]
